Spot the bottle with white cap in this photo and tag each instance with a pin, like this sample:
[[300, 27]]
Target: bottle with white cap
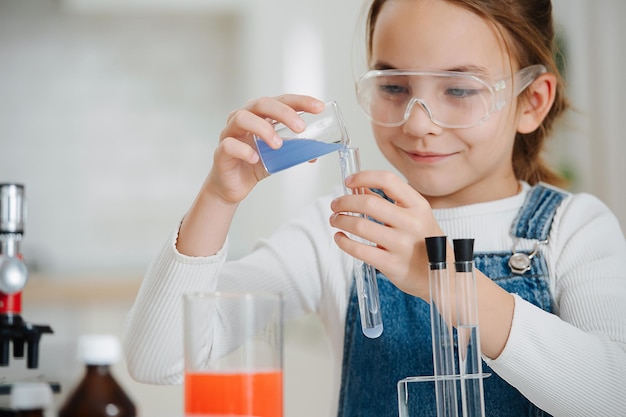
[[98, 394], [30, 399]]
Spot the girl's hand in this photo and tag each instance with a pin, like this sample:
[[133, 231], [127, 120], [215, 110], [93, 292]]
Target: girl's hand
[[399, 250], [237, 167]]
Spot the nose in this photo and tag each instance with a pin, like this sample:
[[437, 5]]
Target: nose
[[419, 119]]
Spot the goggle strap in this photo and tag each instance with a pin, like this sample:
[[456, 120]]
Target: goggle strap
[[526, 76]]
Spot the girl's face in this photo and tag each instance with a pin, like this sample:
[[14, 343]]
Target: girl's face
[[450, 167]]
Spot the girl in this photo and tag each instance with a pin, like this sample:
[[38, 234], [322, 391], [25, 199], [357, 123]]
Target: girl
[[461, 95]]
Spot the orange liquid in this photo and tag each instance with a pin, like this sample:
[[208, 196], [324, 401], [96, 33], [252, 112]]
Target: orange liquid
[[239, 394]]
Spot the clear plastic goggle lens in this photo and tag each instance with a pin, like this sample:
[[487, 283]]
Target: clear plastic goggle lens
[[449, 99]]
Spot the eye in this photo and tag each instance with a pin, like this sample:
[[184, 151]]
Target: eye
[[459, 92], [392, 89], [392, 86]]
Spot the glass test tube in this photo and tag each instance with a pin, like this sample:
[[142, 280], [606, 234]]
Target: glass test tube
[[364, 274], [468, 335], [442, 328]]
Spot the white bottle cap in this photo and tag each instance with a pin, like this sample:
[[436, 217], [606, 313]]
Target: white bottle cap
[[31, 396], [99, 349]]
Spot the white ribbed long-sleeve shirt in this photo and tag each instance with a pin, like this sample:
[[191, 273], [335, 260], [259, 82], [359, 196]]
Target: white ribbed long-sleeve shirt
[[571, 363]]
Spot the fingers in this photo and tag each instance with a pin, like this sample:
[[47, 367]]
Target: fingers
[[409, 212], [392, 226], [401, 224], [238, 150], [243, 124], [257, 116], [391, 184], [373, 254], [398, 249]]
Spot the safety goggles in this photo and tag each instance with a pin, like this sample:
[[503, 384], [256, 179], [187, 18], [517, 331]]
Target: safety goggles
[[450, 99]]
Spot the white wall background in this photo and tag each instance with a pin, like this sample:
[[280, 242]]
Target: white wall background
[[110, 114], [110, 111], [591, 141]]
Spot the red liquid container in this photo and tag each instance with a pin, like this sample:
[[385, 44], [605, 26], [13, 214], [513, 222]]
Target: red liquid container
[[233, 355]]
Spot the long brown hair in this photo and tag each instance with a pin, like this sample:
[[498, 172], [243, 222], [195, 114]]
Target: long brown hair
[[527, 29]]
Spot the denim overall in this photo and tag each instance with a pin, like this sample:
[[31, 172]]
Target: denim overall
[[372, 367]]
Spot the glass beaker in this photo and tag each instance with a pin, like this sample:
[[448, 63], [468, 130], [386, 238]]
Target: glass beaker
[[325, 132], [233, 354]]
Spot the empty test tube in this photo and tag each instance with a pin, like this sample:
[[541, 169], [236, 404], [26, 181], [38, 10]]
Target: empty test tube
[[364, 274], [468, 335], [442, 328]]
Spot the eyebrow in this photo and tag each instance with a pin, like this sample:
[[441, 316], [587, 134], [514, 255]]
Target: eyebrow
[[379, 66], [473, 69]]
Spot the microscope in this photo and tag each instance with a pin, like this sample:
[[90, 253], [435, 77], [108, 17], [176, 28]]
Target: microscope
[[15, 332]]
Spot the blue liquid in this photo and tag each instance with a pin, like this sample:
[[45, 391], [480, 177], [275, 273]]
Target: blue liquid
[[373, 332], [293, 152]]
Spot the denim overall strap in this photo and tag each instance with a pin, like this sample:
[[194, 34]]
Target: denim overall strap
[[372, 367], [535, 219]]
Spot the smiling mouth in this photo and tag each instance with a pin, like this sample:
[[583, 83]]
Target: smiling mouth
[[428, 157]]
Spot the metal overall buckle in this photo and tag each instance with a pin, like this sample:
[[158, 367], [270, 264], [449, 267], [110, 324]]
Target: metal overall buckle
[[519, 262]]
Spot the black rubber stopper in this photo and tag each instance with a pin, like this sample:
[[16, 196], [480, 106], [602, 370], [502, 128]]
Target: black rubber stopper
[[436, 249], [463, 254]]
